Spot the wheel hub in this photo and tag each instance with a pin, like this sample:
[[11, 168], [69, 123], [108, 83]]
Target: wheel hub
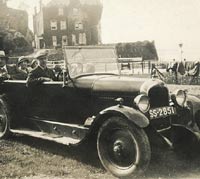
[[118, 148], [121, 148]]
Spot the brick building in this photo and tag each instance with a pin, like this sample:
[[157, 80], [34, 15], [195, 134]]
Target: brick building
[[68, 22]]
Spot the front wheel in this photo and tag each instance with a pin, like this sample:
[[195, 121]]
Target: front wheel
[[123, 148]]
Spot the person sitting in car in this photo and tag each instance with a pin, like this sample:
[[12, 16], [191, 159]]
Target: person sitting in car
[[58, 72], [41, 73], [6, 71], [22, 69], [34, 63], [3, 69]]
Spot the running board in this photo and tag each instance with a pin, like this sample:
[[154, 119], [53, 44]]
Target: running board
[[63, 129], [46, 136]]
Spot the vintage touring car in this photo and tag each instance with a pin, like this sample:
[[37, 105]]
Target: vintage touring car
[[126, 116]]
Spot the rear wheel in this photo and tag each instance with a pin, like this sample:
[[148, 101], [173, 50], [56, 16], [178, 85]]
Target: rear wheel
[[123, 148], [4, 121]]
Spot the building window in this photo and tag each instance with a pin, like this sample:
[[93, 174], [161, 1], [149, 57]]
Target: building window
[[53, 25], [54, 40], [74, 39], [82, 38], [75, 11], [78, 26], [60, 11], [64, 40], [63, 25]]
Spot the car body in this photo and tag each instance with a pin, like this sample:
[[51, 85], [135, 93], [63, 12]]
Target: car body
[[126, 116]]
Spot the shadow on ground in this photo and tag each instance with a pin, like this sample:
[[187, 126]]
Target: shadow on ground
[[85, 153], [27, 156]]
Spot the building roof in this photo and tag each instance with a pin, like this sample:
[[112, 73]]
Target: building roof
[[67, 2]]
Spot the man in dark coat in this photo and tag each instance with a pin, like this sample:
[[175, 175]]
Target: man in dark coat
[[22, 69], [41, 73], [194, 73], [6, 71]]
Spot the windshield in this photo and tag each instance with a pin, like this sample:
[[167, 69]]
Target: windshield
[[91, 59]]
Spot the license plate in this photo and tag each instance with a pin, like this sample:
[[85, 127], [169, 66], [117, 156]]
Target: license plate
[[162, 112]]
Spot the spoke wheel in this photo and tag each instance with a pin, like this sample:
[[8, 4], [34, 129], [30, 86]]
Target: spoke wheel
[[123, 148]]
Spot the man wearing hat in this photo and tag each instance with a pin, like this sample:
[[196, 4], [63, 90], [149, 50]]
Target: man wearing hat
[[22, 69], [3, 70], [41, 73], [6, 71]]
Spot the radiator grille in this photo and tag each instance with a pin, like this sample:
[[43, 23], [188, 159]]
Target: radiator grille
[[159, 96]]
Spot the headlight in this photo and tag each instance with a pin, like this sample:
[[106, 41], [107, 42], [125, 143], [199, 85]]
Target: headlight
[[179, 97], [142, 102]]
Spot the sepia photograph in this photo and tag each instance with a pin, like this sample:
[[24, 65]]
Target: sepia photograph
[[99, 89]]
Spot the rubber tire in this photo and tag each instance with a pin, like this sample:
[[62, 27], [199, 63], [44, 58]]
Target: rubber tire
[[143, 148], [3, 106]]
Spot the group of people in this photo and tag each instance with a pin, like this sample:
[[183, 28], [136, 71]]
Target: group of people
[[181, 72], [37, 73], [185, 69]]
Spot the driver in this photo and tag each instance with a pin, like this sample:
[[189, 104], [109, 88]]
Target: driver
[[41, 73]]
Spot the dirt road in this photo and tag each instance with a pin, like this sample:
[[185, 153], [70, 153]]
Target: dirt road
[[28, 158]]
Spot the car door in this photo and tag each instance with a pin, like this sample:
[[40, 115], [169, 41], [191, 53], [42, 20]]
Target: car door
[[52, 101], [15, 94]]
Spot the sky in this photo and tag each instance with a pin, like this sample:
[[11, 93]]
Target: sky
[[166, 22]]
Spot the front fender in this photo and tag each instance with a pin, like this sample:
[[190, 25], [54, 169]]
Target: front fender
[[131, 114], [195, 101]]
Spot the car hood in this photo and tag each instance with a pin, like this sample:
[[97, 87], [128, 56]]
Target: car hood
[[113, 84]]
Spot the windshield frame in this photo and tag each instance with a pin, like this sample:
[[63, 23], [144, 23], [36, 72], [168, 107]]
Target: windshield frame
[[115, 62]]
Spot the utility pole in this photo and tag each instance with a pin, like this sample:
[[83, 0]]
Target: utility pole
[[181, 50]]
